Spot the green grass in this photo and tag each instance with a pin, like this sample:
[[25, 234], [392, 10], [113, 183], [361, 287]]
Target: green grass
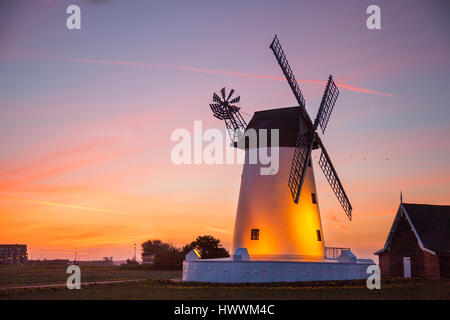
[[11, 276], [165, 289]]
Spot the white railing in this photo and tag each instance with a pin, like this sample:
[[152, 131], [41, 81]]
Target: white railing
[[333, 253]]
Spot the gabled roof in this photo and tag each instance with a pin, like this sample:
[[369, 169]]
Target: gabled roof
[[430, 224]]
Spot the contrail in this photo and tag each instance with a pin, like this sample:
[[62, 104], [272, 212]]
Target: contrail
[[217, 229], [228, 73], [62, 205], [58, 250]]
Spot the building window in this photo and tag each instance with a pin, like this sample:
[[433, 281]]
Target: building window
[[309, 163], [319, 237], [313, 197], [255, 234]]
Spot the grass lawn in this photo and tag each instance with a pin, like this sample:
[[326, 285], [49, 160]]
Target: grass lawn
[[11, 276], [159, 287]]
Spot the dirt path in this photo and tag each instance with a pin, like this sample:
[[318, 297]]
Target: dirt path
[[52, 285]]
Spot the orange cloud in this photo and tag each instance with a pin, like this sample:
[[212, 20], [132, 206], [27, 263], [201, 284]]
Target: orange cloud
[[35, 173], [61, 205]]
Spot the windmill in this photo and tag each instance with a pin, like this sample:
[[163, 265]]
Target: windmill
[[272, 221]]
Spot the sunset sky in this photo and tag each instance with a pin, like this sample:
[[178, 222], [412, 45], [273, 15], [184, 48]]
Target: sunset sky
[[86, 115]]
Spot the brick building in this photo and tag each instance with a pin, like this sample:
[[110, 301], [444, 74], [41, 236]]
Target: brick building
[[418, 242], [13, 253]]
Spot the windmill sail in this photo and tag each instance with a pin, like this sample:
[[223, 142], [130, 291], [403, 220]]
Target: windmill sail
[[302, 154], [287, 71], [329, 98], [333, 179]]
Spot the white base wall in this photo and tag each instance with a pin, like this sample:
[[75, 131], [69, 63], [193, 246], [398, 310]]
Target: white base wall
[[229, 271]]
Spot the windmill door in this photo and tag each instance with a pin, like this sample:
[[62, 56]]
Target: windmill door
[[406, 267]]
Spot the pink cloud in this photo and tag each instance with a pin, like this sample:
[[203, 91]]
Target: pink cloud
[[101, 142], [229, 73]]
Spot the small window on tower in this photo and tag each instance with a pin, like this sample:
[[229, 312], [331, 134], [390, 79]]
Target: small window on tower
[[309, 163], [255, 234], [319, 237], [313, 197]]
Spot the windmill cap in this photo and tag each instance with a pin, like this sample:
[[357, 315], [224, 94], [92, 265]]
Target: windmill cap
[[287, 120]]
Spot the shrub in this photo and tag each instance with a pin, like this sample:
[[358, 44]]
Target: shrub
[[168, 257]]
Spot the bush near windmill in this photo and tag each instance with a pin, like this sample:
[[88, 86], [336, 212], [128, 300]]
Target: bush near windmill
[[165, 256]]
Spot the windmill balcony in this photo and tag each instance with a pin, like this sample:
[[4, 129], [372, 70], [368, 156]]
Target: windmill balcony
[[333, 252]]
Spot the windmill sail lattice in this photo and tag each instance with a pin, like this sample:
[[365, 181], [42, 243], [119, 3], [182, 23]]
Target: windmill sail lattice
[[326, 106], [330, 173], [302, 153], [287, 71]]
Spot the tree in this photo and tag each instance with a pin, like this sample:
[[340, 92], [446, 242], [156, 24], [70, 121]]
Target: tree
[[188, 248], [108, 260], [131, 262], [153, 247], [166, 256], [209, 247], [170, 258]]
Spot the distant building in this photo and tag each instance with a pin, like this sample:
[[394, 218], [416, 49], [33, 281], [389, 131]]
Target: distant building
[[13, 253], [418, 242]]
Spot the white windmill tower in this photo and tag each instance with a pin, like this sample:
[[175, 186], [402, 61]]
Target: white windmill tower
[[268, 223]]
